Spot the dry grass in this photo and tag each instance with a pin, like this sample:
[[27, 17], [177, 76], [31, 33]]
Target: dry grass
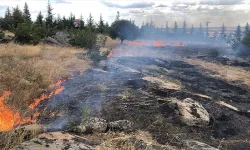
[[228, 73], [27, 70]]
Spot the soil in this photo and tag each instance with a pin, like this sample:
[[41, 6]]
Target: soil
[[115, 90]]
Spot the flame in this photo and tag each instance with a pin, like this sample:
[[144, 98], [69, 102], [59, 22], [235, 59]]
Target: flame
[[110, 54], [159, 44], [134, 43], [9, 119]]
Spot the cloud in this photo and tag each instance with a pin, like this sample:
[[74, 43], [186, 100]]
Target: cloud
[[162, 5], [132, 5], [220, 2], [63, 1]]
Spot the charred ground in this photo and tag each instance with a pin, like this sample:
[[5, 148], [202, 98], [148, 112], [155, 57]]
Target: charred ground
[[116, 89]]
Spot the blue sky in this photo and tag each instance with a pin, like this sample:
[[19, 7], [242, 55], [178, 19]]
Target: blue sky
[[231, 12]]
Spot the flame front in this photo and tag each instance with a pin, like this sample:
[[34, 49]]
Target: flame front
[[9, 119], [159, 44]]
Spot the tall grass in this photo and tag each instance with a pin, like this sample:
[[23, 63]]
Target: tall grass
[[27, 71]]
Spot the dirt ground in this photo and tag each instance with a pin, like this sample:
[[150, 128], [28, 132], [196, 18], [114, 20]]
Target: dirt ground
[[116, 89]]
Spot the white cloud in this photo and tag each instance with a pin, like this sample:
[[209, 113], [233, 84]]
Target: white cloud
[[232, 12]]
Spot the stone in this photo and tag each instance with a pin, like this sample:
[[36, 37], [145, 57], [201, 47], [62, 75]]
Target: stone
[[56, 140], [91, 125], [121, 125], [195, 145], [192, 113]]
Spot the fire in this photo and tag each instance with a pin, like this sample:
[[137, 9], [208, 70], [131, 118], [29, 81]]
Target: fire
[[134, 43], [44, 96], [9, 119], [159, 44], [110, 54]]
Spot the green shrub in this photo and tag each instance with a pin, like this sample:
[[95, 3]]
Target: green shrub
[[26, 33], [84, 39], [2, 35]]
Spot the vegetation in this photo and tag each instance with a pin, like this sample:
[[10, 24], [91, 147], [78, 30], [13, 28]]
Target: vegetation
[[124, 30]]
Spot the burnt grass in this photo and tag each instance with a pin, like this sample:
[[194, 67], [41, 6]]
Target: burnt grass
[[115, 90]]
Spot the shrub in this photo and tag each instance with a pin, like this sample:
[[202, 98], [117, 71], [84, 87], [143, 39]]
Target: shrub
[[26, 33], [1, 35], [84, 39]]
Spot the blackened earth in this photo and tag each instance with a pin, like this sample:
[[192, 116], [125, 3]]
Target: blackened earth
[[115, 90]]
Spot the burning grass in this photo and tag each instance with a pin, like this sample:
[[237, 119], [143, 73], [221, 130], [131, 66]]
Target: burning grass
[[228, 73], [26, 72]]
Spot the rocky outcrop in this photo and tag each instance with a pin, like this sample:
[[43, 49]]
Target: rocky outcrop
[[56, 140], [121, 125], [192, 113], [91, 125], [195, 145]]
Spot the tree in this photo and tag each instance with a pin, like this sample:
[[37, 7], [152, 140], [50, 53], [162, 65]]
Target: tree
[[124, 30], [184, 28], [39, 19], [201, 33], [247, 28], [175, 27], [81, 22], [17, 17], [101, 26], [167, 28], [117, 16], [49, 17], [7, 21], [215, 35], [90, 23], [192, 30], [26, 13], [246, 40], [60, 24], [223, 32]]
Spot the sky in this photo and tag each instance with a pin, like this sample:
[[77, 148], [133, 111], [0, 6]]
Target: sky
[[230, 12]]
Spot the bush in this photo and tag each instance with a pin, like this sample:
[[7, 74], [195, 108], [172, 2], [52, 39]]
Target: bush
[[27, 33], [2, 35], [83, 39]]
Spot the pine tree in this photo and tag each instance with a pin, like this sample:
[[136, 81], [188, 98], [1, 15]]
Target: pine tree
[[39, 19], [247, 28], [117, 16], [201, 33], [90, 23], [26, 13], [192, 30], [60, 25], [17, 17], [238, 33], [175, 27], [166, 28], [223, 32], [8, 20], [101, 25], [184, 27], [71, 20], [49, 17], [81, 22]]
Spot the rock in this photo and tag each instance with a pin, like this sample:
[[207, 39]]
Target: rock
[[121, 125], [56, 140], [195, 145], [192, 113], [91, 125]]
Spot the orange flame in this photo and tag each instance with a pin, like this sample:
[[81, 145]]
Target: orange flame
[[159, 44], [9, 119], [110, 54]]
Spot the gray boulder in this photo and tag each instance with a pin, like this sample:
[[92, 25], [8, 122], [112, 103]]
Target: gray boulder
[[195, 145], [192, 113], [121, 125], [91, 125]]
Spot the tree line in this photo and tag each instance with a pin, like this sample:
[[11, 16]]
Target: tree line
[[84, 34]]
